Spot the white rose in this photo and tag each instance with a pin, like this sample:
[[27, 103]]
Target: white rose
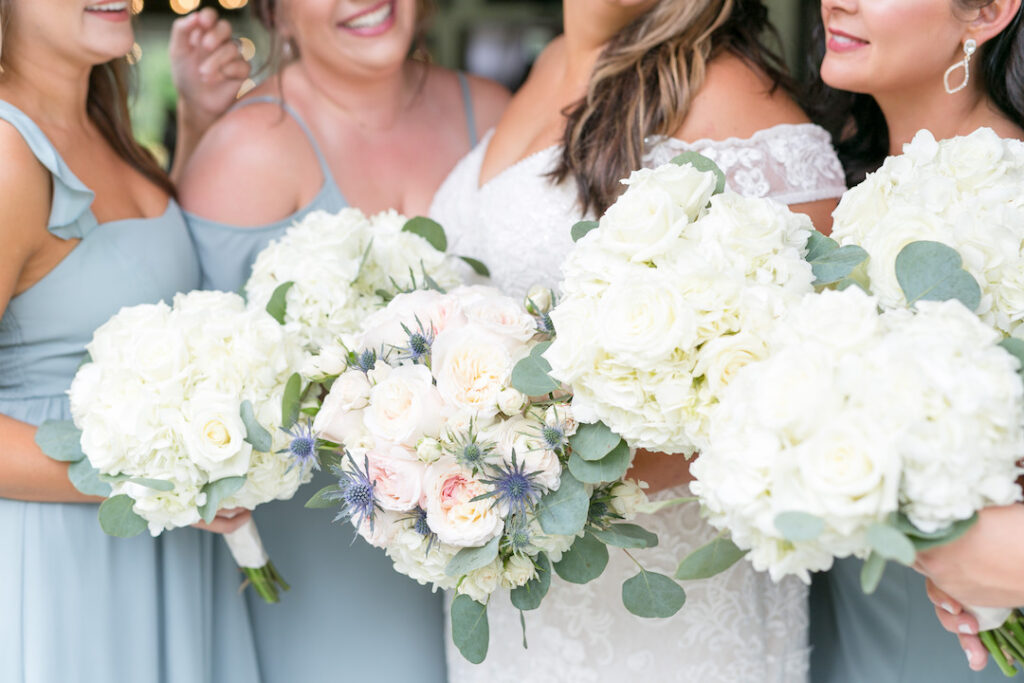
[[383, 530], [472, 366], [332, 360], [511, 401], [721, 358], [431, 310], [627, 497], [351, 390], [337, 420], [518, 571], [480, 583], [539, 299], [398, 479], [504, 317], [429, 450], [452, 513], [215, 436], [404, 407]]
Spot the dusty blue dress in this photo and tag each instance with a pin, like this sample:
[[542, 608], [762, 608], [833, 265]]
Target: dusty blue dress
[[76, 605], [891, 636], [349, 616]]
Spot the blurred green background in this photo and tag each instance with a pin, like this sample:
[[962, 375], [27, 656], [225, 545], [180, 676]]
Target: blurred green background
[[495, 38]]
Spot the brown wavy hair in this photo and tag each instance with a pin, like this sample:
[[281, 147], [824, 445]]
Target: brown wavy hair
[[644, 82], [107, 106]]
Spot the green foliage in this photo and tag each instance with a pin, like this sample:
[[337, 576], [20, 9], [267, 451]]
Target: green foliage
[[710, 559], [580, 229], [890, 543], [831, 263], [593, 441], [530, 595], [468, 559], [479, 267], [290, 402], [626, 536], [277, 306], [530, 375], [470, 631], [429, 230], [702, 163], [1015, 347], [799, 526], [652, 595], [584, 561], [255, 434], [611, 467], [216, 492], [87, 479], [871, 573], [563, 512], [931, 271], [320, 500], [155, 484], [118, 519], [923, 540], [61, 440]]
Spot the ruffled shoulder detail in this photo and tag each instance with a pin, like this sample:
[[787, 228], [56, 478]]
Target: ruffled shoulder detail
[[70, 214], [790, 163]]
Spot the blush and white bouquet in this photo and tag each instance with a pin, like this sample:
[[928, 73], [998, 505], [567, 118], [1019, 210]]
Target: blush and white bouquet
[[965, 193], [180, 412], [863, 433], [668, 296], [465, 463], [330, 271]]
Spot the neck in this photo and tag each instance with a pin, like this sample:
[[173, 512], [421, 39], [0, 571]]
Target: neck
[[51, 91], [943, 114], [376, 102]]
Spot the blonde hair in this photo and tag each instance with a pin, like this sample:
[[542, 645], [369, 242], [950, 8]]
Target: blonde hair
[[644, 82]]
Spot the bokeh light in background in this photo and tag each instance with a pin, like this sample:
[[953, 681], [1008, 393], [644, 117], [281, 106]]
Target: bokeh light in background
[[184, 6]]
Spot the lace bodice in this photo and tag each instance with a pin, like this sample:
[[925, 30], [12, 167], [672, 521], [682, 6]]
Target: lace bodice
[[518, 222], [735, 627]]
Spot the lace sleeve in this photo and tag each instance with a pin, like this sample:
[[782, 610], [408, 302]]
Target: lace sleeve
[[790, 163]]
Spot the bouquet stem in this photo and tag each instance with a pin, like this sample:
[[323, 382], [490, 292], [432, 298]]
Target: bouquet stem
[[247, 549], [1004, 642]]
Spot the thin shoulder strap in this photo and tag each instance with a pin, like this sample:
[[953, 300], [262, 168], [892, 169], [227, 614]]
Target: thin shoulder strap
[[324, 168], [467, 103]]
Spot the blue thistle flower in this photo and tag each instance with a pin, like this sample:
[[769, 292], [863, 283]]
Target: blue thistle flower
[[366, 360], [417, 348], [421, 527], [302, 448], [545, 325], [356, 493], [517, 538], [513, 487], [469, 452], [553, 437]]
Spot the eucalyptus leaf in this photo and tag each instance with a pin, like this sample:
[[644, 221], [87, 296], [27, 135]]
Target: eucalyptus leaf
[[468, 559], [947, 535], [611, 467], [563, 512], [530, 595], [86, 479], [799, 526], [61, 440], [117, 518], [1015, 347], [114, 478], [216, 492], [277, 306], [871, 573], [580, 229], [626, 536], [710, 559], [594, 440], [890, 543], [470, 631], [584, 561], [86, 359], [428, 229], [932, 271], [819, 245], [652, 595], [837, 265], [255, 434], [479, 267], [702, 163], [324, 498], [653, 506], [329, 459], [530, 375], [155, 484], [290, 402]]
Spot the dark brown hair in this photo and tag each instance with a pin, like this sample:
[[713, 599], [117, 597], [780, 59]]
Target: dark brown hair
[[643, 84], [107, 106], [855, 121]]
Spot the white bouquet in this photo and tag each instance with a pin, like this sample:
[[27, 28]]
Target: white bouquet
[[329, 271], [181, 411], [964, 192], [668, 296], [862, 433], [464, 462]]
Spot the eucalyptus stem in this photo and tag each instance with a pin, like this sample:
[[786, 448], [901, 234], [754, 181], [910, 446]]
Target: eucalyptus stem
[[991, 642], [266, 581], [635, 561], [1013, 646]]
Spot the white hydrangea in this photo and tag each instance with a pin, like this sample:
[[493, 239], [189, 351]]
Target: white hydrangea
[[964, 192], [855, 415], [668, 299], [162, 398]]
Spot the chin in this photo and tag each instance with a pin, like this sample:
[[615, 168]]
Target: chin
[[842, 78]]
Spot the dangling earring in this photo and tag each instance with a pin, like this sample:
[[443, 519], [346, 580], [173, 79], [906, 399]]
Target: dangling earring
[[969, 47]]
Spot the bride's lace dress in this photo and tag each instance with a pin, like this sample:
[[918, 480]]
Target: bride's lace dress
[[735, 627]]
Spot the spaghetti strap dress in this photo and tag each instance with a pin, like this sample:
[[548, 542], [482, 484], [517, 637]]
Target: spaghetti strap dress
[[76, 605]]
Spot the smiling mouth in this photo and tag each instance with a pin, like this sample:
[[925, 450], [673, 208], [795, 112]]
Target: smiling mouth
[[845, 40], [111, 7], [372, 19]]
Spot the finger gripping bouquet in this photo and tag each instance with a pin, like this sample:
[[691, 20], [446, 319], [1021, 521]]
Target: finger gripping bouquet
[[668, 296], [457, 450], [180, 412]]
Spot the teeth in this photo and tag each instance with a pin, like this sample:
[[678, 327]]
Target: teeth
[[845, 39], [372, 19], [108, 7]]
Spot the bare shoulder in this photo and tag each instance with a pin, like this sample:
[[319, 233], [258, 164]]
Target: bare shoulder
[[235, 175], [489, 100], [736, 100]]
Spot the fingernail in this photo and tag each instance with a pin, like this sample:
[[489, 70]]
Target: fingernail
[[948, 607], [966, 630], [970, 658]]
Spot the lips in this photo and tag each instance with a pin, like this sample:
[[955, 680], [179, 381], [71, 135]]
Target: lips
[[109, 7], [839, 41], [372, 18]]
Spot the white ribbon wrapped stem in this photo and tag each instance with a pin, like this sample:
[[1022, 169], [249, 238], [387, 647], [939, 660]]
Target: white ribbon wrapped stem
[[246, 546]]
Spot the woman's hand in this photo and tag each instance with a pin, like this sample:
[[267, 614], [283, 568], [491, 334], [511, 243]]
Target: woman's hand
[[962, 624], [226, 521]]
